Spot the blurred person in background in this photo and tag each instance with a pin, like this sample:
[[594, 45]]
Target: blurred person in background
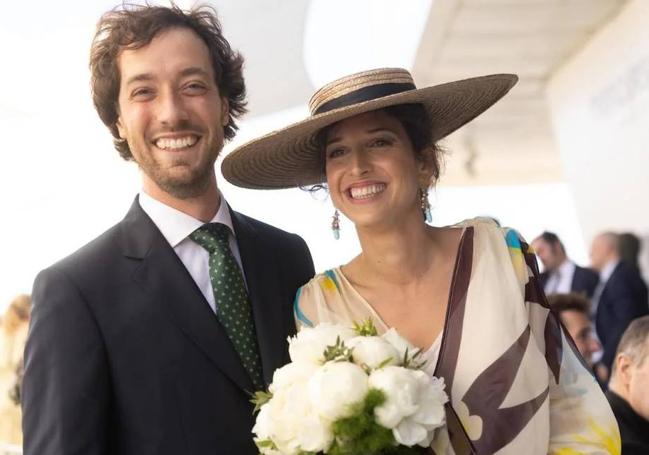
[[620, 297], [13, 333], [560, 274], [628, 391], [574, 312], [629, 246]]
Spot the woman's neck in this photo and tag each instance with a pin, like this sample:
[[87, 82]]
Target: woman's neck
[[398, 254]]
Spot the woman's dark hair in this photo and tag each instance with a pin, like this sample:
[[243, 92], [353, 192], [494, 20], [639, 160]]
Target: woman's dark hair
[[416, 122], [135, 26]]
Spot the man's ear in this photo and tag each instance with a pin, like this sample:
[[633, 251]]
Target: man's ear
[[225, 112], [120, 128], [624, 368]]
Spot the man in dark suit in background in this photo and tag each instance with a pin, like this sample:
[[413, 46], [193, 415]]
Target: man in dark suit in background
[[151, 338], [620, 297], [560, 274], [628, 388]]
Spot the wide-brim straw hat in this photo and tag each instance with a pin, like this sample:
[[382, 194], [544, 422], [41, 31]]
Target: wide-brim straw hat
[[291, 156]]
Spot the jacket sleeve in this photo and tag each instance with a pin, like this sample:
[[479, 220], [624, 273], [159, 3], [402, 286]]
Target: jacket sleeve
[[629, 304], [581, 420], [65, 388]]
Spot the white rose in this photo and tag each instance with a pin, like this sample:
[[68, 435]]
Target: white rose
[[373, 351], [414, 404], [310, 343], [335, 387], [400, 344]]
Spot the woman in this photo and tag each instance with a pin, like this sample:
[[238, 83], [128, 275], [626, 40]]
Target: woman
[[466, 295]]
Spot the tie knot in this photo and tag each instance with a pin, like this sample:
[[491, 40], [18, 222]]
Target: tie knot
[[212, 236]]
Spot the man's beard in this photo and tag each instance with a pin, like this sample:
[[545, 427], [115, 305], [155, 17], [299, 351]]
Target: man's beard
[[192, 183], [182, 188]]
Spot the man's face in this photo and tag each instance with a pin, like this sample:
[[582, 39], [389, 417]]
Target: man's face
[[580, 329], [637, 385], [171, 112], [599, 253], [547, 253]]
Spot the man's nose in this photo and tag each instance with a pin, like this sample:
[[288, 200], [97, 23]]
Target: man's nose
[[171, 109], [595, 345]]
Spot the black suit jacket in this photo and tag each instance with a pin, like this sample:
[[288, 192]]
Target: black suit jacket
[[623, 299], [125, 355], [634, 430], [584, 281]]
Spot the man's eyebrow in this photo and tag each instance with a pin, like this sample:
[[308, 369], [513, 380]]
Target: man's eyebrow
[[192, 70], [139, 78]]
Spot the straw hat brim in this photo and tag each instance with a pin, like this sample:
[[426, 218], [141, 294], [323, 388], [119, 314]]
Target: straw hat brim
[[290, 157]]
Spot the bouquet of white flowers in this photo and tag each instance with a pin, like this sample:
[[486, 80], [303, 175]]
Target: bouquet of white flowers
[[349, 391]]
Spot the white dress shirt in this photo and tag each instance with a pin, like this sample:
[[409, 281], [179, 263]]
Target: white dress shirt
[[604, 276], [560, 280], [176, 226]]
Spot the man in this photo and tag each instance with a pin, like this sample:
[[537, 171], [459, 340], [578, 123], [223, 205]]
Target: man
[[560, 274], [574, 312], [621, 295], [629, 386], [151, 339]]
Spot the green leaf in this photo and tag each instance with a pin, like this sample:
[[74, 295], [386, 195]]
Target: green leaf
[[259, 399], [366, 329], [413, 362], [338, 352], [360, 434]]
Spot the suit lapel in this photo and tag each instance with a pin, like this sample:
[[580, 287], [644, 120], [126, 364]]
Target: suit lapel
[[170, 286], [263, 280]]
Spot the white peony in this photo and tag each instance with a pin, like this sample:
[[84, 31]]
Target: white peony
[[289, 420], [400, 344], [335, 387], [290, 374], [414, 405], [310, 342], [372, 351]]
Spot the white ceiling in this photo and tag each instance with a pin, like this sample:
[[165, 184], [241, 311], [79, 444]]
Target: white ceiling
[[512, 142]]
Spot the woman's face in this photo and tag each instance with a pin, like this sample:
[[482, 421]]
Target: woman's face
[[372, 173]]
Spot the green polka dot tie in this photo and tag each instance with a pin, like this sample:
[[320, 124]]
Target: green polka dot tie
[[232, 303]]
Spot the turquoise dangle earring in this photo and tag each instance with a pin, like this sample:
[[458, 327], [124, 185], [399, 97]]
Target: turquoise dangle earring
[[425, 205], [335, 225]]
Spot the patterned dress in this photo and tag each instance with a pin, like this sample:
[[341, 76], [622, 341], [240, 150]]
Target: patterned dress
[[516, 382]]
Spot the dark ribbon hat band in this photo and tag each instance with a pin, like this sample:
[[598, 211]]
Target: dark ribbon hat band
[[364, 94]]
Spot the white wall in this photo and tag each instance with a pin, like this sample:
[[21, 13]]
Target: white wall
[[599, 101]]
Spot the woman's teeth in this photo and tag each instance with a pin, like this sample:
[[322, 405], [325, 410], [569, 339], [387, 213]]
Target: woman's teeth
[[365, 192]]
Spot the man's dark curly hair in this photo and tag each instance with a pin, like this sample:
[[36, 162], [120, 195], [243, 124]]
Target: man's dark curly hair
[[135, 26]]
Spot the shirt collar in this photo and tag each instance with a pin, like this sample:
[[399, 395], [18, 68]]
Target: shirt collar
[[175, 225], [607, 271], [566, 267]]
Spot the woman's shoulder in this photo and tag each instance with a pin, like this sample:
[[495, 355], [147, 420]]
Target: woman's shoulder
[[491, 228], [323, 282], [315, 295], [505, 243]]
